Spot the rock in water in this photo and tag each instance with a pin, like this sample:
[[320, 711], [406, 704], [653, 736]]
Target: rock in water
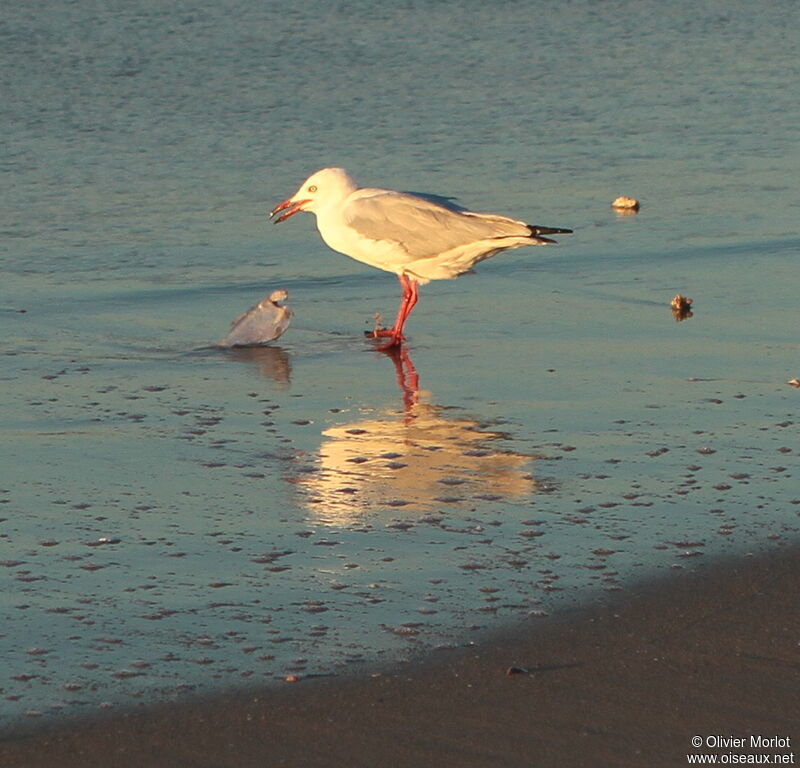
[[681, 307], [264, 322], [625, 205]]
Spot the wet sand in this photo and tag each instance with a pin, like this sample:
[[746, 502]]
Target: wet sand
[[711, 653]]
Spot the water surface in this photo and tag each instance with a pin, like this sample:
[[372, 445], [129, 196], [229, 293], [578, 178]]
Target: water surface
[[177, 517]]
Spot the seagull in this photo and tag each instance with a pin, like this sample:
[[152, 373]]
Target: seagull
[[419, 237]]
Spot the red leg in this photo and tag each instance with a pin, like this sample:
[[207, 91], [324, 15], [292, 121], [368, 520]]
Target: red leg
[[409, 303], [409, 300], [406, 288]]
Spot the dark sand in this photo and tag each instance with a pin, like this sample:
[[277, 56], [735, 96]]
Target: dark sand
[[628, 684]]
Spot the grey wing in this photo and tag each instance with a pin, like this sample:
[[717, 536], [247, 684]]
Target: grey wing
[[422, 226], [445, 201]]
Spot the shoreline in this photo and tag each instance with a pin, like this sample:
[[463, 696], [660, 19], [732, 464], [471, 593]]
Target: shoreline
[[711, 653]]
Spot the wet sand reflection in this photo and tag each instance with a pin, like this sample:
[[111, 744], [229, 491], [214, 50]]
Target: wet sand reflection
[[273, 362], [415, 460]]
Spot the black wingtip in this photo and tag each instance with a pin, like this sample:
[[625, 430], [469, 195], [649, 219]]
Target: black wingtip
[[537, 230]]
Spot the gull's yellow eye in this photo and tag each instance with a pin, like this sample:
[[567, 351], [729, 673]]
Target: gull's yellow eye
[[312, 188]]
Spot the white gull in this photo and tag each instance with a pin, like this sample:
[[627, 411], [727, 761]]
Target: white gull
[[419, 237]]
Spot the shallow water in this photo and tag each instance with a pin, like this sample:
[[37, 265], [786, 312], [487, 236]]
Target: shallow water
[[177, 517]]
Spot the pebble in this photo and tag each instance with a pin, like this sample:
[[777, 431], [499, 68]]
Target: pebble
[[516, 671], [626, 204]]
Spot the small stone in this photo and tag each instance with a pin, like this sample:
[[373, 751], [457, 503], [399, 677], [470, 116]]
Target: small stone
[[516, 671], [623, 203]]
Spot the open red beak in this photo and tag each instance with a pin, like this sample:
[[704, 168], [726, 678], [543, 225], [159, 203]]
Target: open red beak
[[289, 208]]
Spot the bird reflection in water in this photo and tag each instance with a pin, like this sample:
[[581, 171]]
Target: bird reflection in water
[[422, 458]]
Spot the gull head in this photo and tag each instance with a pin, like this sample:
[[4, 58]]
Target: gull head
[[326, 187]]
